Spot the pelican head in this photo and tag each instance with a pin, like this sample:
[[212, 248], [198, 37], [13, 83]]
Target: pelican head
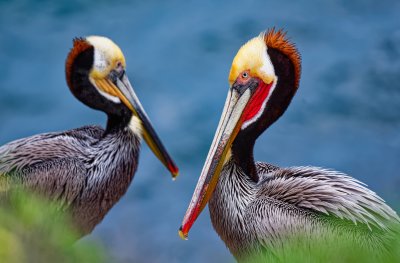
[[264, 77], [95, 73]]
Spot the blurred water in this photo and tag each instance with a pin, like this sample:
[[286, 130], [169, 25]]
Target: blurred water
[[346, 114]]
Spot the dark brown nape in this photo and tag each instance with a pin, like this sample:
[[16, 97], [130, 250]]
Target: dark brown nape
[[78, 66], [279, 41], [286, 87], [80, 45]]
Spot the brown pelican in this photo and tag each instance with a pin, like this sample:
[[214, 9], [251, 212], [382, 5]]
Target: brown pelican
[[255, 206], [87, 169]]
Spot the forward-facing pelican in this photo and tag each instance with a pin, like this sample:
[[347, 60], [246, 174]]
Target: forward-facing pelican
[[87, 169], [256, 206]]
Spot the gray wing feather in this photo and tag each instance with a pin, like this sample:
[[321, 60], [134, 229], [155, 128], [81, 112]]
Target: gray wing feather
[[52, 163], [276, 222], [327, 192], [60, 180], [265, 168]]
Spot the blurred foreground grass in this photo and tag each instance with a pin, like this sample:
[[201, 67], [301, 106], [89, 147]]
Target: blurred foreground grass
[[332, 249], [32, 231]]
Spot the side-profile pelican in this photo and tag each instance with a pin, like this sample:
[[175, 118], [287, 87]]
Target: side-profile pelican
[[255, 206], [87, 169]]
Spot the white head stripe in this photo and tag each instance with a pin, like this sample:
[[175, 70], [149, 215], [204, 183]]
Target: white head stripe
[[100, 61], [267, 66]]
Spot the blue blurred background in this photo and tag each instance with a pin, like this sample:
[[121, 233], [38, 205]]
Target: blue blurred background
[[346, 114]]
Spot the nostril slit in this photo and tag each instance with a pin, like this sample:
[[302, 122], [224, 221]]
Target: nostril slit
[[122, 74]]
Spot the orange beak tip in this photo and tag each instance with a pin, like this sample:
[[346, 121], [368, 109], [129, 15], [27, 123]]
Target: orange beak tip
[[175, 175], [174, 170], [182, 235]]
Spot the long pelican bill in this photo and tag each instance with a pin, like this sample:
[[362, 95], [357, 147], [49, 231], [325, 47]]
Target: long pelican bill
[[124, 91], [228, 127]]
